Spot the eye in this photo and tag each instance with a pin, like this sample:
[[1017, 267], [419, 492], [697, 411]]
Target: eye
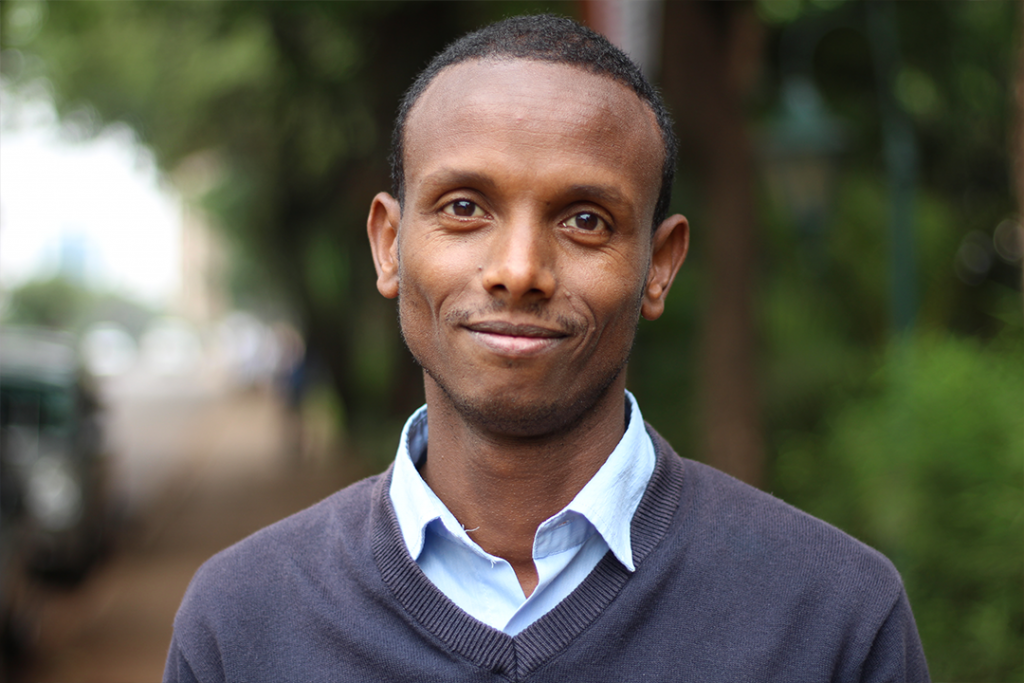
[[587, 221], [463, 208]]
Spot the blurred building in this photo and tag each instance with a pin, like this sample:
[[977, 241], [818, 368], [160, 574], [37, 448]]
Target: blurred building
[[202, 297]]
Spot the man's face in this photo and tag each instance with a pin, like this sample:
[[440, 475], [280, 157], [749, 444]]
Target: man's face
[[524, 244]]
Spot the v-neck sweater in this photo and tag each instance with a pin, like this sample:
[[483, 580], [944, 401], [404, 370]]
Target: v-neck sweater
[[566, 546], [730, 584]]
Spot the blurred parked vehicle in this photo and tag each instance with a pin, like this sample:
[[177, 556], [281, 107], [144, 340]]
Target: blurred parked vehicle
[[17, 606], [54, 471]]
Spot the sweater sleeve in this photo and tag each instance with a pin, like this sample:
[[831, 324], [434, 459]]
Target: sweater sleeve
[[177, 669], [194, 654], [896, 655]]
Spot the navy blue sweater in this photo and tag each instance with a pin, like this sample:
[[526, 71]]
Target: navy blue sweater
[[731, 584]]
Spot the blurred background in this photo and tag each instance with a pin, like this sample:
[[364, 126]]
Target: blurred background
[[192, 345]]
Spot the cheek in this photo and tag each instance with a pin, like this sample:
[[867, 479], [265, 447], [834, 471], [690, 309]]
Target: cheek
[[428, 289], [439, 274], [613, 295], [413, 301], [611, 307]]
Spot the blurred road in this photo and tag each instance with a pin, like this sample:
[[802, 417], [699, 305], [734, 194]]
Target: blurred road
[[198, 466]]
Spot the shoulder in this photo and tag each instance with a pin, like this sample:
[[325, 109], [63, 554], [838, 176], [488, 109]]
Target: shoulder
[[250, 594], [340, 518], [748, 536], [778, 576], [310, 537], [757, 523]]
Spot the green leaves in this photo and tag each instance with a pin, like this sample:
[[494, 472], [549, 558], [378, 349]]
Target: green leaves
[[927, 465]]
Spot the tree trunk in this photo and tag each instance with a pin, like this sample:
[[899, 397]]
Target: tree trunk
[[710, 51]]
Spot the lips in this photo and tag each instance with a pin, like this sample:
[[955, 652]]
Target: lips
[[513, 330], [514, 340]]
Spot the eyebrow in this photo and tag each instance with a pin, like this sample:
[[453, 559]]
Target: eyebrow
[[462, 177], [458, 177], [601, 193]]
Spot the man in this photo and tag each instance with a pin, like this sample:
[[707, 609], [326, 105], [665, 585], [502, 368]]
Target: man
[[531, 527]]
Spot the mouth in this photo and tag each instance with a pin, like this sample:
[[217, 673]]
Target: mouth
[[514, 340]]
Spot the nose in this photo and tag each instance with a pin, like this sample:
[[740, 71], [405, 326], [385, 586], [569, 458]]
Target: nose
[[520, 267]]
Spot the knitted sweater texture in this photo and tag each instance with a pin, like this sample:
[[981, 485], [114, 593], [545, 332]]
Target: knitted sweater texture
[[731, 584]]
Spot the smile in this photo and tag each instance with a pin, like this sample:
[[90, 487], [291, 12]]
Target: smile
[[508, 339]]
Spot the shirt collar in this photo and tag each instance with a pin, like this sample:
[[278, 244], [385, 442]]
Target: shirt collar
[[610, 498], [416, 505], [608, 501]]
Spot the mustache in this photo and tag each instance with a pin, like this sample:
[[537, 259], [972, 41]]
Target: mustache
[[570, 326]]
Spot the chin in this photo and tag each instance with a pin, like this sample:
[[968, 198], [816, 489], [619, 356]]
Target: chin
[[511, 414]]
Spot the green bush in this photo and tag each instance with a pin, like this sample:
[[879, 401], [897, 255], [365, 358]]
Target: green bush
[[928, 467]]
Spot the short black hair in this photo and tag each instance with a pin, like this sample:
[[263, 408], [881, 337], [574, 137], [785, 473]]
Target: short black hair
[[546, 38]]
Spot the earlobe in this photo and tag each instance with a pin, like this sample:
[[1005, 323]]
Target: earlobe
[[670, 244], [382, 229]]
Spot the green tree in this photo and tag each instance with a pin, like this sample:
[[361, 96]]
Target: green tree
[[60, 303], [928, 467], [56, 303], [913, 445]]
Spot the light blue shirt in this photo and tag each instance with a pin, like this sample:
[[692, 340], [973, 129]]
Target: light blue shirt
[[566, 548]]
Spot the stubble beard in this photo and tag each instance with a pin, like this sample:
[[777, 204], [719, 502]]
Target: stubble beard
[[505, 414]]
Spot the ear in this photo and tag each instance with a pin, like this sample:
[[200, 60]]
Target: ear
[[671, 241], [382, 229]]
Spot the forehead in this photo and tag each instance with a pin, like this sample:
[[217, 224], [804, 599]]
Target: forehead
[[527, 113]]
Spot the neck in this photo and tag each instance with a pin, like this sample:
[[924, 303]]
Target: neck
[[503, 487]]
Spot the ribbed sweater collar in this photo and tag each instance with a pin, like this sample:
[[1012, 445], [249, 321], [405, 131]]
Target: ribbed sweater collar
[[517, 656]]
